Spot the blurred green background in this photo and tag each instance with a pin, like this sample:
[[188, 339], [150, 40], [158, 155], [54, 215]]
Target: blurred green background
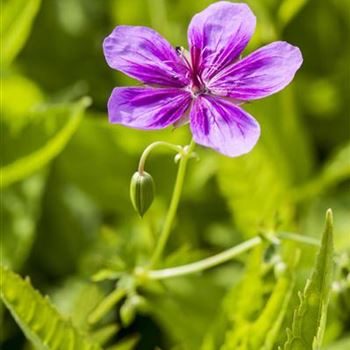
[[65, 209]]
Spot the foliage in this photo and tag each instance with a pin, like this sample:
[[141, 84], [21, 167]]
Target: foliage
[[38, 318], [66, 217], [40, 151], [257, 327], [309, 320], [15, 26]]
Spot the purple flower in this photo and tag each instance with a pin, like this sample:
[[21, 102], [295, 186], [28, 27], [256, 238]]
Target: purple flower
[[205, 86]]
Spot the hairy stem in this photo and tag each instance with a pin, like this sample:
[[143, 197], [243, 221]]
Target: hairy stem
[[163, 238]]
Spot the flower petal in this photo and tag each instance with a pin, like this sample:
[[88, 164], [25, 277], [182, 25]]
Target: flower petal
[[262, 73], [221, 125], [218, 35], [147, 107], [144, 54]]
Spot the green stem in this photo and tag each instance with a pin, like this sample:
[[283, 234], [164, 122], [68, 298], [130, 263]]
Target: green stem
[[163, 238], [106, 305], [205, 263], [149, 149], [222, 257], [298, 238]]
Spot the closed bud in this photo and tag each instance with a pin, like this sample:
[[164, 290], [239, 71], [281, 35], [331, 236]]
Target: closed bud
[[141, 191]]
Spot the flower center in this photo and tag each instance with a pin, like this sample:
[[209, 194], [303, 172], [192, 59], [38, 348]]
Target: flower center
[[197, 85], [197, 90]]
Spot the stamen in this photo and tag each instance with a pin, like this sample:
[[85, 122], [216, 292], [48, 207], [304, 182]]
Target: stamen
[[184, 54], [178, 50], [197, 84]]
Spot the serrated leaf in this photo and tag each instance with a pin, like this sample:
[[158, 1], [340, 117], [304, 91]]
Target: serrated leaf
[[257, 185], [265, 329], [41, 323], [16, 21], [31, 151], [310, 316], [239, 304], [258, 328]]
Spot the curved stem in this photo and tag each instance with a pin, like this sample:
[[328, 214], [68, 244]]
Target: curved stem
[[223, 257], [205, 263], [149, 148], [173, 204]]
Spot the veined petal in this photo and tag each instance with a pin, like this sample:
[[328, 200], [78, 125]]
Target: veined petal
[[221, 125], [218, 35], [262, 73], [146, 107], [144, 54]]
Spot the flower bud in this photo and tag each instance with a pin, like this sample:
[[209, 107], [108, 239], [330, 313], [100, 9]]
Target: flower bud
[[141, 192]]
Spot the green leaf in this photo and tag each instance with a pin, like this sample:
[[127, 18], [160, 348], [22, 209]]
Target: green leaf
[[255, 189], [336, 170], [55, 124], [255, 326], [265, 329], [20, 210], [16, 21], [258, 185], [284, 138], [41, 323], [76, 299], [310, 316], [239, 304], [289, 9], [239, 307]]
